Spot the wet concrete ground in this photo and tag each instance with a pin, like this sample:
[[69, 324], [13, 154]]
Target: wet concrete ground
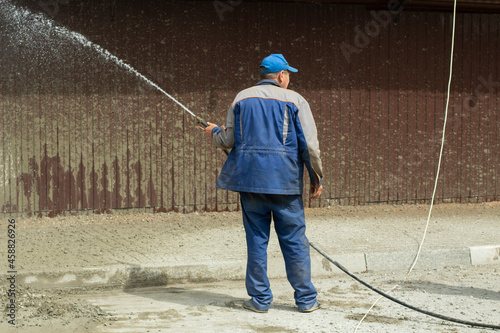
[[471, 293]]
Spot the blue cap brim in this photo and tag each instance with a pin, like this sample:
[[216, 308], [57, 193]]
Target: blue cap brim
[[291, 69]]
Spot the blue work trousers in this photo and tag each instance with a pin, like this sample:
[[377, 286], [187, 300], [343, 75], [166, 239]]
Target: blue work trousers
[[287, 211]]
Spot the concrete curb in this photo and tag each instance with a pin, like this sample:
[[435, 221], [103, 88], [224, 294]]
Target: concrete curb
[[429, 259], [481, 255], [147, 276]]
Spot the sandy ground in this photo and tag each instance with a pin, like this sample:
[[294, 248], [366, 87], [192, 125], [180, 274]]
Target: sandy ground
[[467, 293], [86, 241]]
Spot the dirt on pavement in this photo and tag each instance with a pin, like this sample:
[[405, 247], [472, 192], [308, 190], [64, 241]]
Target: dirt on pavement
[[137, 239], [86, 241]]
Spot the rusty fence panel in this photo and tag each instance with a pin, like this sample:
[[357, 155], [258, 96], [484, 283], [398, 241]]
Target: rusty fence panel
[[81, 133]]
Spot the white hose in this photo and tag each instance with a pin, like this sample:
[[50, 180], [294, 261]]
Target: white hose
[[437, 172]]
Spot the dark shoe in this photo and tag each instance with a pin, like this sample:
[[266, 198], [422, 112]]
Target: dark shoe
[[249, 306], [315, 306]]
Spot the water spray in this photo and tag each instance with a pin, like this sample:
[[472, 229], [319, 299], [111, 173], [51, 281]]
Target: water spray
[[25, 15], [108, 55]]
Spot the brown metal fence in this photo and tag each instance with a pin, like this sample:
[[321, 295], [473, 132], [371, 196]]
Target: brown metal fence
[[81, 133]]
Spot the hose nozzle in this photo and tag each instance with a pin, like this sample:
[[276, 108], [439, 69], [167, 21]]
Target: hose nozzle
[[201, 122]]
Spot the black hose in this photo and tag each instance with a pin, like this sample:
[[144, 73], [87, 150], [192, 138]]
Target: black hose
[[342, 268]]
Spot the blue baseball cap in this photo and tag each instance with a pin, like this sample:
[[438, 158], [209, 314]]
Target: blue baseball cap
[[275, 63]]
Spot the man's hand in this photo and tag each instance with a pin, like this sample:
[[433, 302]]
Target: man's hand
[[315, 191], [208, 129]]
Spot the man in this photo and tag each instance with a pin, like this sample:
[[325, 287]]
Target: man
[[273, 136]]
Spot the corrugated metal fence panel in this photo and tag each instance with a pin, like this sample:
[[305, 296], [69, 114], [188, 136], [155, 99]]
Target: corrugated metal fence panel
[[80, 132]]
